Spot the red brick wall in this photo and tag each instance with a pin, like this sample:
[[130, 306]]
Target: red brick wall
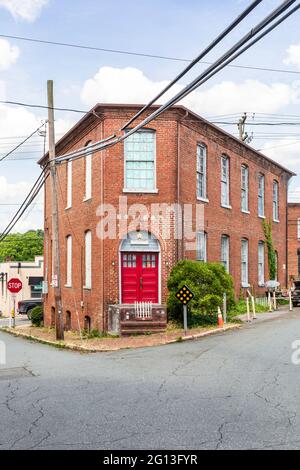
[[293, 241], [174, 140]]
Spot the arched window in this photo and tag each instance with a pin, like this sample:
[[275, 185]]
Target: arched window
[[225, 181], [88, 260], [261, 263], [245, 188], [69, 184], [261, 195], [245, 262], [88, 173], [225, 241], [201, 251], [275, 201], [68, 324], [87, 324], [69, 261], [53, 317], [201, 171]]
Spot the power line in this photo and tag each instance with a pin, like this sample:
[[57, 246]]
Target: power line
[[21, 143], [224, 60], [139, 54], [204, 53]]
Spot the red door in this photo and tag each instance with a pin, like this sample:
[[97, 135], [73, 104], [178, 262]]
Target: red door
[[139, 273]]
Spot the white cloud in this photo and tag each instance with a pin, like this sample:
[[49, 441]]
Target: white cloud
[[8, 54], [285, 151], [130, 85], [293, 56], [27, 10]]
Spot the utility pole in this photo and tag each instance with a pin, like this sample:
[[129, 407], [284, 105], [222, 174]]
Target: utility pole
[[56, 281], [241, 127]]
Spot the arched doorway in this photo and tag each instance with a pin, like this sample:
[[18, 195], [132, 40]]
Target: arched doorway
[[139, 268]]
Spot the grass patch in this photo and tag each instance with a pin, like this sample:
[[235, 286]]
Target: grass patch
[[241, 307]]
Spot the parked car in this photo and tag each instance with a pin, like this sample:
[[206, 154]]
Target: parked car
[[296, 293], [24, 306]]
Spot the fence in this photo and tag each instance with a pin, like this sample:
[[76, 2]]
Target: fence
[[262, 301]]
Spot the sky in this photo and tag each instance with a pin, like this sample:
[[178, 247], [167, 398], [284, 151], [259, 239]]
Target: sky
[[172, 28]]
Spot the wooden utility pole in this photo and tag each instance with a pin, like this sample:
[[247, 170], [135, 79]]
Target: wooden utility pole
[[56, 280]]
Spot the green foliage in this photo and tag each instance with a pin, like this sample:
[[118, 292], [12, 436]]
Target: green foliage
[[271, 250], [22, 246], [207, 281], [241, 307], [37, 316]]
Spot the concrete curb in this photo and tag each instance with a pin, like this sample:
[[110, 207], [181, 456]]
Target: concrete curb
[[77, 348]]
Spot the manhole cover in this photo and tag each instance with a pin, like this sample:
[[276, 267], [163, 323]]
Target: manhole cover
[[14, 373]]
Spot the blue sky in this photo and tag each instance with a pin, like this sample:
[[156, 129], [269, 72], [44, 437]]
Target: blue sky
[[172, 28]]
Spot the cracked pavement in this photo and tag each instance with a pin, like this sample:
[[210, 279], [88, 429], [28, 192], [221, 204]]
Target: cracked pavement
[[237, 390]]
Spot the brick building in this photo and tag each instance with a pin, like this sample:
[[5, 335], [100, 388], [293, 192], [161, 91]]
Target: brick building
[[293, 241], [179, 160]]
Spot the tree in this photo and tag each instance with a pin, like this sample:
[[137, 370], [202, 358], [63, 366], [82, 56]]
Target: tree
[[22, 246], [207, 281]]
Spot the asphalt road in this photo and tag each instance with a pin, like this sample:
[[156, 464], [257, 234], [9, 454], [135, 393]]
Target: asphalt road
[[238, 390]]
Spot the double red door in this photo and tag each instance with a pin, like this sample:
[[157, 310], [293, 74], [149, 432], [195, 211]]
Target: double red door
[[139, 273]]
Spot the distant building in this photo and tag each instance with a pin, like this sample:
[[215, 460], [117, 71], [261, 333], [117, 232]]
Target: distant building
[[30, 273], [178, 159], [293, 241]]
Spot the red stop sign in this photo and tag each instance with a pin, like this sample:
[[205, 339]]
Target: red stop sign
[[14, 285]]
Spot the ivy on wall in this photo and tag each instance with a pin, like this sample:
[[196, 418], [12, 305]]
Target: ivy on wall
[[271, 250]]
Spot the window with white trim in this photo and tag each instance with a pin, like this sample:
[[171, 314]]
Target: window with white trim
[[245, 188], [201, 251], [225, 252], [201, 171], [69, 183], [298, 229], [261, 195], [88, 173], [244, 263], [69, 261], [140, 156], [88, 260], [261, 263], [275, 200], [225, 181], [276, 265]]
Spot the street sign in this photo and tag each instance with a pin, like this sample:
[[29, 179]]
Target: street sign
[[14, 285], [185, 295]]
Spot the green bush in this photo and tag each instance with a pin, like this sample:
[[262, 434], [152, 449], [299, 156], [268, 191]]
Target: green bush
[[37, 316], [207, 281]]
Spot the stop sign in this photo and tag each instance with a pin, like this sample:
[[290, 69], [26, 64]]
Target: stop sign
[[14, 285]]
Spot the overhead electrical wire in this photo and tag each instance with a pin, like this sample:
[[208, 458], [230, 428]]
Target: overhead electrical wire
[[21, 143], [203, 77], [138, 54], [203, 54]]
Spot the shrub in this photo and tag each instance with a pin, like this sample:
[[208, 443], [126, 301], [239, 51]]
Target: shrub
[[37, 316], [207, 281]]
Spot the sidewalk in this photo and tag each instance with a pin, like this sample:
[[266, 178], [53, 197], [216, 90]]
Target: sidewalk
[[261, 317], [106, 344]]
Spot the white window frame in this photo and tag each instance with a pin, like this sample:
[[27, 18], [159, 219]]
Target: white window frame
[[225, 252], [261, 263], [225, 182], [275, 201], [69, 183], [202, 171], [261, 195], [201, 248], [88, 174], [298, 229], [245, 262], [88, 259], [276, 265], [245, 189], [126, 160], [69, 261]]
